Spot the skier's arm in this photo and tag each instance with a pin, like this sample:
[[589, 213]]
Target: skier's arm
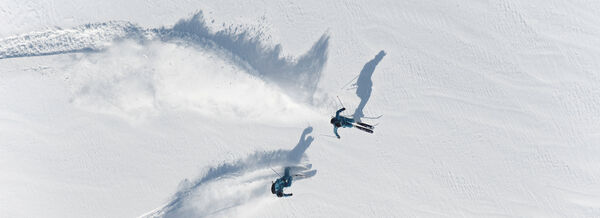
[[335, 131], [337, 113]]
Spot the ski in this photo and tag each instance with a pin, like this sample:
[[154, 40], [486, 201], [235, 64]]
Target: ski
[[365, 125], [364, 129]]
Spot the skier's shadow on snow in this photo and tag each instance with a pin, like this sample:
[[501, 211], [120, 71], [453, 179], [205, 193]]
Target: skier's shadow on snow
[[296, 154], [364, 84], [253, 162]]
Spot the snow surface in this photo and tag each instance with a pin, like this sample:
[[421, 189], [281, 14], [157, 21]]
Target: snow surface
[[184, 109]]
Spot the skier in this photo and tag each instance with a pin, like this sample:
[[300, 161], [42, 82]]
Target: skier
[[279, 184], [345, 122]]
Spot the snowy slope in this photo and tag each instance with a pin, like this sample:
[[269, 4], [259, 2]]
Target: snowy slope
[[181, 109]]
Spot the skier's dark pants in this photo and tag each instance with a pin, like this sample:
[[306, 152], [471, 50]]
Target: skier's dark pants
[[288, 180]]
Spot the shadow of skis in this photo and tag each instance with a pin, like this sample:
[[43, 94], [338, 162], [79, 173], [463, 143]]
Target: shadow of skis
[[215, 191], [364, 85]]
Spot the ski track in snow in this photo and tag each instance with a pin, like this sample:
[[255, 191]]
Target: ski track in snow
[[84, 38], [229, 183], [244, 46], [241, 46], [491, 111]]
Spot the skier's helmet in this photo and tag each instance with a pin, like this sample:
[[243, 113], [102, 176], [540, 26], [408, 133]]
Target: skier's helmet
[[333, 120]]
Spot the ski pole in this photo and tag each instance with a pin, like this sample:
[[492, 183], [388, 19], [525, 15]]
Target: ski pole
[[275, 171], [350, 81], [327, 135], [338, 97]]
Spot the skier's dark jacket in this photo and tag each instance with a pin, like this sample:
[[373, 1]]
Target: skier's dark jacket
[[279, 184], [341, 121]]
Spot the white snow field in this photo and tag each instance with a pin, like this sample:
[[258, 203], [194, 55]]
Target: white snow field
[[155, 108]]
